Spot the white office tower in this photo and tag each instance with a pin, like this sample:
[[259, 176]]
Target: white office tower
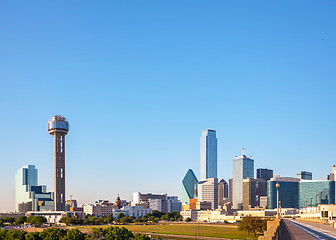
[[208, 152], [208, 191], [243, 167]]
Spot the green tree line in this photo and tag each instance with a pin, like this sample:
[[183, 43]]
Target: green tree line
[[73, 234], [122, 218]]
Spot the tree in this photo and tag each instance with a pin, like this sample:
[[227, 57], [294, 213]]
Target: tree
[[20, 221], [126, 219], [92, 221], [157, 214], [36, 220], [9, 220], [74, 234], [33, 236], [139, 236], [15, 235], [252, 224], [121, 215], [53, 234], [188, 219]]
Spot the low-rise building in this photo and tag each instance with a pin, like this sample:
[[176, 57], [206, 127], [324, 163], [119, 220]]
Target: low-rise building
[[132, 211], [158, 202], [203, 205], [53, 217], [208, 215], [98, 210]]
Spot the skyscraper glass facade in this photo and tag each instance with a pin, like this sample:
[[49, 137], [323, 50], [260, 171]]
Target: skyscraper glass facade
[[189, 186], [24, 179], [304, 175], [288, 194], [265, 174], [296, 193], [208, 153], [243, 167], [316, 192], [28, 196]]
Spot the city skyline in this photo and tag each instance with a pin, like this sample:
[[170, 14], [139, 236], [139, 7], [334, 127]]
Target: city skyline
[[143, 82]]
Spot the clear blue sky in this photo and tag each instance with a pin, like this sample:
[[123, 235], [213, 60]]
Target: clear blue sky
[[139, 81]]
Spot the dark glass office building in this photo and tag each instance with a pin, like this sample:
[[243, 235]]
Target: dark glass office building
[[296, 193], [265, 174]]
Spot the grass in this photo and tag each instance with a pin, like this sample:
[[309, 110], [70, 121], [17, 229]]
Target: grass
[[218, 231]]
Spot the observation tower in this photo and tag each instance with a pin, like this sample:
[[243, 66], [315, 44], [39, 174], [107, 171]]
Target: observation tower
[[58, 126]]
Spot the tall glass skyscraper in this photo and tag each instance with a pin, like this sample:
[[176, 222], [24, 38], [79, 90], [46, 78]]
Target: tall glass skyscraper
[[243, 167], [28, 195], [208, 154], [25, 178]]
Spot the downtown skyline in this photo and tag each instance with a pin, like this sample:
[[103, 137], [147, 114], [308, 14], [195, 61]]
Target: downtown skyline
[[140, 85]]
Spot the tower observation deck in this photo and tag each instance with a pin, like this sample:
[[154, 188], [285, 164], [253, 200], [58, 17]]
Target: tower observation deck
[[58, 126]]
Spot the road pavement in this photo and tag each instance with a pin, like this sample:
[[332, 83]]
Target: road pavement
[[297, 230]]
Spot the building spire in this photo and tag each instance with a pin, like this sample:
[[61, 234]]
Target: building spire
[[243, 152]]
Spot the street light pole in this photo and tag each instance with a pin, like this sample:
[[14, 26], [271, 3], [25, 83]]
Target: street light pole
[[277, 186]]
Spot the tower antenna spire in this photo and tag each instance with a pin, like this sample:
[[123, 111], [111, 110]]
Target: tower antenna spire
[[243, 151]]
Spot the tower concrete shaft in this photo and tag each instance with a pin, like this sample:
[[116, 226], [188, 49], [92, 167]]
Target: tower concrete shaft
[[59, 168], [58, 127]]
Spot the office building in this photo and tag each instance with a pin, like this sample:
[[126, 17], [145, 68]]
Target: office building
[[58, 127], [222, 192], [208, 153], [133, 211], [28, 195], [72, 203], [297, 193], [304, 175], [143, 198], [171, 204], [160, 202], [99, 210], [253, 189], [243, 167], [24, 179], [263, 201], [264, 173], [53, 217], [249, 193], [189, 187], [208, 191], [230, 189], [288, 192], [331, 176]]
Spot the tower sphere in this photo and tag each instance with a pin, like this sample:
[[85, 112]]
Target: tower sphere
[[58, 124]]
